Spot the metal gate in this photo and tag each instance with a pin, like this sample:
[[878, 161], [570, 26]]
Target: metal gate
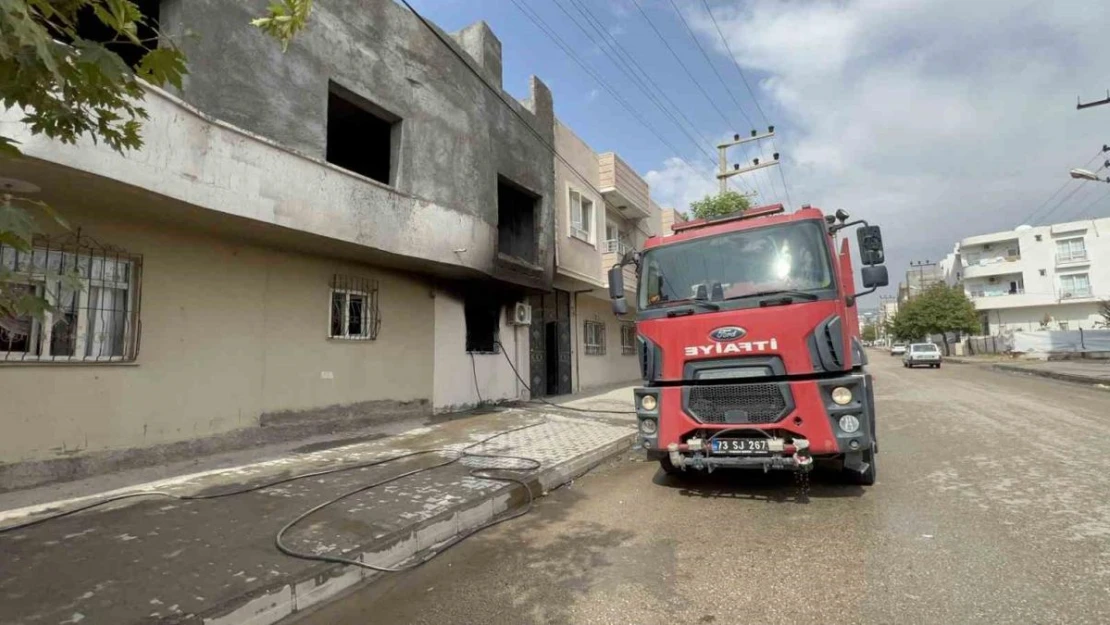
[[550, 352]]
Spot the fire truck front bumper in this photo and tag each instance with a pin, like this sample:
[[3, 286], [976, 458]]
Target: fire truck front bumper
[[777, 425]]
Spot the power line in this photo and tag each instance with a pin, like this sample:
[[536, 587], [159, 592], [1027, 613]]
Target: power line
[[744, 79], [736, 63], [1060, 188], [512, 109], [705, 55], [547, 30], [693, 77], [626, 67]]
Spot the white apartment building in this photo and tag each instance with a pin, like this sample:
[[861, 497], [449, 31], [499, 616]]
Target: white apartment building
[[1044, 277]]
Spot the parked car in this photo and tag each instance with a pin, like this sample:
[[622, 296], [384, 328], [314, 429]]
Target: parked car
[[927, 354], [897, 349]]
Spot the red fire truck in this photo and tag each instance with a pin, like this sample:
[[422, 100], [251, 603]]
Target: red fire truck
[[748, 342]]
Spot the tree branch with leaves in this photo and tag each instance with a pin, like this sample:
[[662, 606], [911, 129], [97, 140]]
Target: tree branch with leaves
[[720, 205], [70, 87]]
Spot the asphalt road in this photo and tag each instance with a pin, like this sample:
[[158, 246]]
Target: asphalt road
[[992, 506]]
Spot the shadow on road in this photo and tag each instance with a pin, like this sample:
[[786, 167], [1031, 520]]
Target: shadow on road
[[775, 486]]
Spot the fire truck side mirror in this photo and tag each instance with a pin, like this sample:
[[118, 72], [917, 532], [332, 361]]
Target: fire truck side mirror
[[874, 276], [620, 306], [870, 240], [616, 282]]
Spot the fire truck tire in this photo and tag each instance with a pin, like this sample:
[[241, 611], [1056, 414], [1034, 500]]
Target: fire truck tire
[[867, 478], [668, 468]]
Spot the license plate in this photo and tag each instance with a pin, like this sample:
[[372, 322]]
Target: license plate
[[741, 446]]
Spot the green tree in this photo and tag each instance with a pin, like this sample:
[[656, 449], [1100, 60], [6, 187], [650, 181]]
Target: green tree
[[869, 333], [70, 87], [939, 310], [720, 205]]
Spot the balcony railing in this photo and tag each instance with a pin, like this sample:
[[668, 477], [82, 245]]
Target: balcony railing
[[617, 246], [1075, 293], [994, 292], [1071, 257]]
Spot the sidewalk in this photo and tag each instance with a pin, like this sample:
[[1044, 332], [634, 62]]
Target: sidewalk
[[1096, 372], [158, 560]]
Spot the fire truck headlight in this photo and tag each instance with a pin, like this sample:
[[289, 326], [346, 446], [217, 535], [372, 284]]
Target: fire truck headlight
[[849, 423], [841, 396], [648, 427], [648, 402]]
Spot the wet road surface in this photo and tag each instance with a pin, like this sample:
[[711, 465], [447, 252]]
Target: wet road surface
[[992, 506]]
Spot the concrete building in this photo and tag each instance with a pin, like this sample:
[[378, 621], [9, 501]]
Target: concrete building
[[339, 232], [1046, 277], [921, 275], [603, 210]]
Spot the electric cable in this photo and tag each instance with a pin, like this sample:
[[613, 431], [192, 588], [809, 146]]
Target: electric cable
[[285, 480], [544, 401]]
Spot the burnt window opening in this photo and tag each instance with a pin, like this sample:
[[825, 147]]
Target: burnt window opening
[[88, 26], [362, 137], [516, 221], [483, 319]]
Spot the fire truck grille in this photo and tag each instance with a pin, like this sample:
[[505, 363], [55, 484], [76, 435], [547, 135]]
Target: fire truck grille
[[736, 403]]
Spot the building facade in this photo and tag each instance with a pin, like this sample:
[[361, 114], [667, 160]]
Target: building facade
[[339, 232], [1047, 277], [603, 211]]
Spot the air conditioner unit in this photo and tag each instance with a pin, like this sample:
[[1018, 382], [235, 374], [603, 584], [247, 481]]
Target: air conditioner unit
[[522, 314]]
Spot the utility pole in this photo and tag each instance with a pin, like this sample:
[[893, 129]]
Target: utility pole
[[722, 158], [1080, 105]]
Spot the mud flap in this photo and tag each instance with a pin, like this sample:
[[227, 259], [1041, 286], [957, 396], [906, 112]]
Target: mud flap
[[854, 462]]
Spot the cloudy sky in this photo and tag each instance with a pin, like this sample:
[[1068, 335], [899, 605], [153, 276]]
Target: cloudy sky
[[937, 119]]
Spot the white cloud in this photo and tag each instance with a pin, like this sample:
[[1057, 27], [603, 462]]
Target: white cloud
[[679, 183], [592, 94], [886, 106]]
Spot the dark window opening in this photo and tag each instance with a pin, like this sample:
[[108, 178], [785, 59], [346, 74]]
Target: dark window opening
[[516, 221], [483, 318], [88, 26], [362, 137]]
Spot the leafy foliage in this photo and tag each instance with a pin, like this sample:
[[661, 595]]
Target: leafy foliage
[[720, 205], [869, 332], [939, 310], [70, 87]]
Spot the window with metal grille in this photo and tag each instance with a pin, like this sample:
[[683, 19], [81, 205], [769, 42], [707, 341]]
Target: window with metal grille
[[628, 339], [354, 308], [594, 333], [76, 301]]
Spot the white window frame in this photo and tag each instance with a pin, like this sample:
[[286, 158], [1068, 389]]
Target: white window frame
[[1075, 292], [1071, 255], [593, 337], [47, 284], [345, 325], [582, 216]]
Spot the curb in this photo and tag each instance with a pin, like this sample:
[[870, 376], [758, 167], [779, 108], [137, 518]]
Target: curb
[[318, 584], [1055, 375]]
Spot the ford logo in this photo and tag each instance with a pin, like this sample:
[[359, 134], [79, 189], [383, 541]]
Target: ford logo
[[728, 333]]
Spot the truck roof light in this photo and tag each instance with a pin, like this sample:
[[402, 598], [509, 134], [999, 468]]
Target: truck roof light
[[751, 213]]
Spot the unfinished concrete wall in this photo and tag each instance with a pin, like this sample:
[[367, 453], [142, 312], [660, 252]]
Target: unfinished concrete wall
[[456, 136], [230, 332]]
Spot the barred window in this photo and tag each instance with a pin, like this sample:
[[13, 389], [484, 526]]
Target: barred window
[[354, 308], [628, 339], [595, 338], [88, 294]]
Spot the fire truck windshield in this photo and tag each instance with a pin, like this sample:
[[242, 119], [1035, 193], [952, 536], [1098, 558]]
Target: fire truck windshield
[[732, 266]]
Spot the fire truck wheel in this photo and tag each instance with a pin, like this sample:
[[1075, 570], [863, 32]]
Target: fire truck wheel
[[668, 468], [867, 478]]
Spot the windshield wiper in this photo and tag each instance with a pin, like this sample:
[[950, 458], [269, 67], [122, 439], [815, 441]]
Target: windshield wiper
[[688, 308], [788, 296]]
